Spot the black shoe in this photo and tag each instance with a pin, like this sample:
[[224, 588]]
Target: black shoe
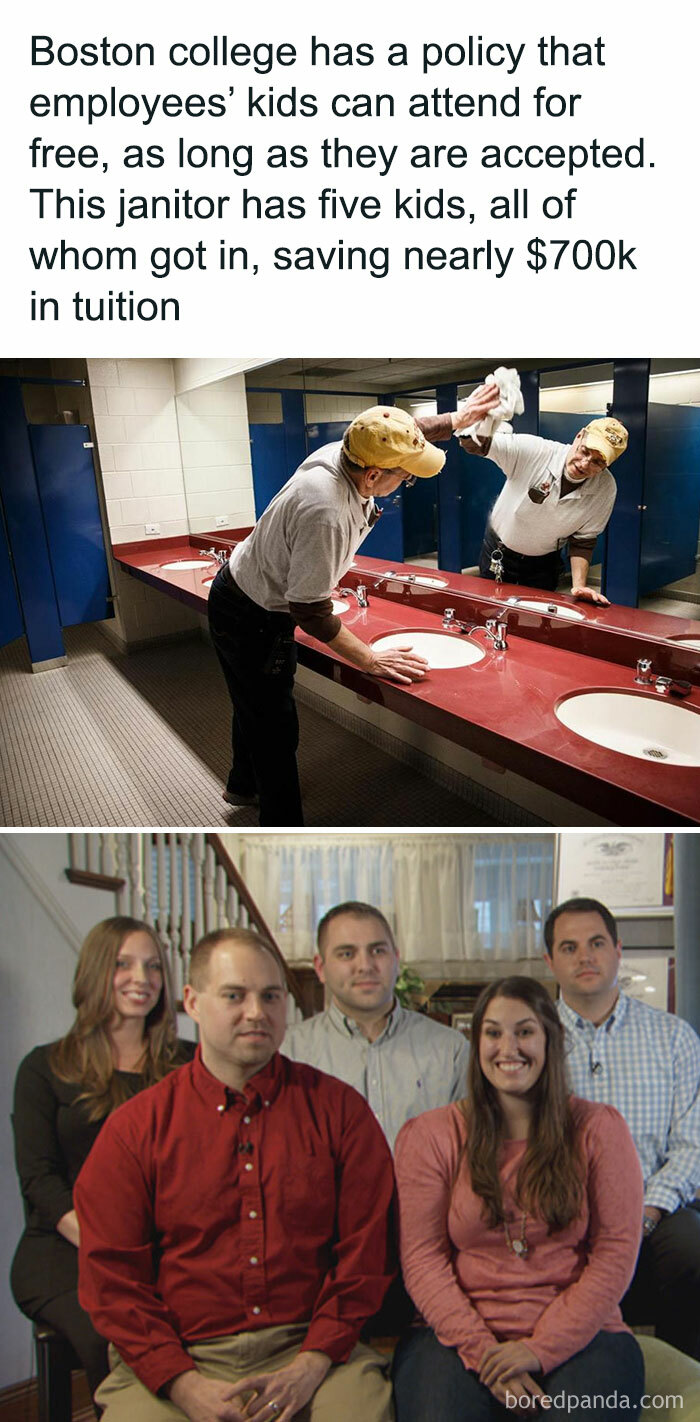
[[235, 797]]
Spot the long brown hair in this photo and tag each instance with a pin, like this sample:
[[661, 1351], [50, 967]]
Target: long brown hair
[[84, 1056], [549, 1183]]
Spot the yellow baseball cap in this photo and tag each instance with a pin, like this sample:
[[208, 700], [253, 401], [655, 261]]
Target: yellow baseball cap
[[384, 437], [608, 436]]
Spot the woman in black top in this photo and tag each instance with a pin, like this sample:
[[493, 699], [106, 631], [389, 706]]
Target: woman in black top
[[123, 1039]]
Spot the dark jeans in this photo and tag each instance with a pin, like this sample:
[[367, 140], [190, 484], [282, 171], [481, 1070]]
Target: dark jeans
[[257, 653], [431, 1383], [542, 572], [665, 1289]]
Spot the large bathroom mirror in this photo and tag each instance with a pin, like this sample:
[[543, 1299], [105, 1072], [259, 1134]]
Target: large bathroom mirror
[[244, 432]]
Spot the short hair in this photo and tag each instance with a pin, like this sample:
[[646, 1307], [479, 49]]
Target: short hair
[[358, 910], [202, 952], [579, 906]]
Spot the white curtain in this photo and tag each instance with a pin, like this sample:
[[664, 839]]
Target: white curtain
[[295, 881], [454, 898]]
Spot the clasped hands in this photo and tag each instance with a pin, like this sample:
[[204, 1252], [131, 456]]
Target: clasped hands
[[265, 1397], [506, 1370]]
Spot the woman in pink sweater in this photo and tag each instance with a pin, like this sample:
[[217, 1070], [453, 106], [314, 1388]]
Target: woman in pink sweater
[[521, 1214]]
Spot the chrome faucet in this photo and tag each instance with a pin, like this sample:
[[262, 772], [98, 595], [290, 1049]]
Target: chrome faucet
[[451, 622], [497, 632], [391, 576], [664, 685], [360, 592], [218, 555], [494, 629]]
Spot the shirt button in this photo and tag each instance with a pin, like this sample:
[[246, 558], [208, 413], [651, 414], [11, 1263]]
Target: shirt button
[[248, 1165], [246, 1120], [252, 1214], [221, 1108], [253, 1258], [256, 1309], [266, 1103]]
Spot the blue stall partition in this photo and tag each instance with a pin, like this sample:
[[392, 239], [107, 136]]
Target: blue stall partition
[[65, 476], [386, 539], [11, 624], [277, 450], [671, 513], [26, 533], [268, 462]]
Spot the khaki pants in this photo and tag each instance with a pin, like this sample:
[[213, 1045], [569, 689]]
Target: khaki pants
[[356, 1389]]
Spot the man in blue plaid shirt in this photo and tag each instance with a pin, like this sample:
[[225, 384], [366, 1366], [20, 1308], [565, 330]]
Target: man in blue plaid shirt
[[646, 1063]]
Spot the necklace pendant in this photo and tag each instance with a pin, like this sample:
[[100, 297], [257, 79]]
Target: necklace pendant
[[519, 1247]]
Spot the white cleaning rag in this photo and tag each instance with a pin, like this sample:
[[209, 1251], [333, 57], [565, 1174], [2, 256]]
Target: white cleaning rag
[[510, 404]]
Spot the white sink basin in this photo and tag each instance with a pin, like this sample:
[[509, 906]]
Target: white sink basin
[[182, 564], [633, 723], [340, 605], [551, 609], [440, 649]]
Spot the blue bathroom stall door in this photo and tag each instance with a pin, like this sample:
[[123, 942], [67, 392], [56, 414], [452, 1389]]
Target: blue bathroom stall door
[[387, 537], [268, 463], [420, 519], [11, 623], [671, 515], [65, 477]]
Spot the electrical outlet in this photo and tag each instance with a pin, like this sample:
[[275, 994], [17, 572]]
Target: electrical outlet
[[152, 528], [220, 521]]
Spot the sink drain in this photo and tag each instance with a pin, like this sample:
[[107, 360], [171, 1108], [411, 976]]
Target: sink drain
[[655, 752]]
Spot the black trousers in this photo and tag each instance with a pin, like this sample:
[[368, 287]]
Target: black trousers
[[541, 572], [258, 657], [665, 1289], [66, 1315]]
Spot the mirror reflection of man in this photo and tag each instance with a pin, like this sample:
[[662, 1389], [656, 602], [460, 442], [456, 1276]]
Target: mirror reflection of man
[[235, 1225], [554, 494], [401, 1061], [646, 1063]]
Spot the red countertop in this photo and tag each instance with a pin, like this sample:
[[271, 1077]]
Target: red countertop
[[501, 707]]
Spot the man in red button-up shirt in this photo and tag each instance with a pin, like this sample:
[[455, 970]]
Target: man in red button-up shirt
[[235, 1221]]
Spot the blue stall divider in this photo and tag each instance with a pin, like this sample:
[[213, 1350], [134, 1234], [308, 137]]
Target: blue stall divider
[[671, 495], [25, 531], [65, 476], [268, 461], [11, 624]]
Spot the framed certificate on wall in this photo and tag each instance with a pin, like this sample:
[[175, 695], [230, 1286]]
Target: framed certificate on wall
[[629, 871]]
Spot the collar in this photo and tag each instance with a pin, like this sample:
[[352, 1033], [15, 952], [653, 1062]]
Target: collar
[[260, 1090], [349, 1028], [576, 1023]]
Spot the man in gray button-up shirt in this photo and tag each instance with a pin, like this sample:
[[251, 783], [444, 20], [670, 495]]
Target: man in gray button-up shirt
[[401, 1061]]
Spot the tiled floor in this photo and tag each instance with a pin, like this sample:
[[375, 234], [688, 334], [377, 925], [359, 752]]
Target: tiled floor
[[143, 739]]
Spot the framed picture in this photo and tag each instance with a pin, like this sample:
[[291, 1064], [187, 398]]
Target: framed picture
[[630, 871], [462, 1021], [648, 975]]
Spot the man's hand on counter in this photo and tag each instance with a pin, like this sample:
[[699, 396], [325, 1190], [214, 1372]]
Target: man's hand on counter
[[587, 594], [398, 663]]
